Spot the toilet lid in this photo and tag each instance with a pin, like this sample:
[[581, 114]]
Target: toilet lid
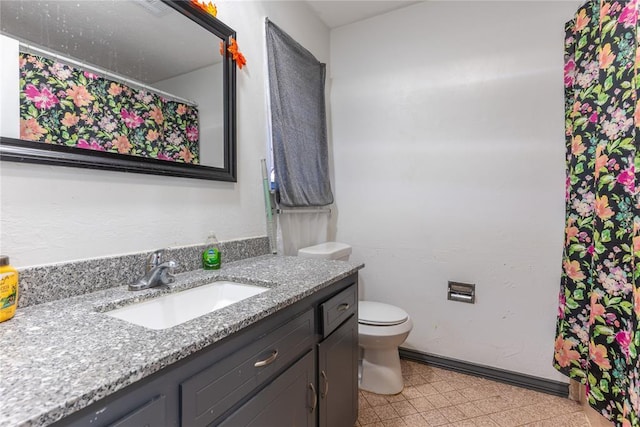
[[328, 250], [379, 314]]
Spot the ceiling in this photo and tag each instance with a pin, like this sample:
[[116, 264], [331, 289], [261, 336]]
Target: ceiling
[[144, 40], [111, 34], [336, 13]]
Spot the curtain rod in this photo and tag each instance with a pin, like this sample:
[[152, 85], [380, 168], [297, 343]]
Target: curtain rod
[[304, 210], [30, 48]]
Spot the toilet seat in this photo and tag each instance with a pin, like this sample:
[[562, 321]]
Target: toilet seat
[[379, 314]]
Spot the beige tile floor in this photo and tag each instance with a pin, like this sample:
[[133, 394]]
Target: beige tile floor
[[437, 397]]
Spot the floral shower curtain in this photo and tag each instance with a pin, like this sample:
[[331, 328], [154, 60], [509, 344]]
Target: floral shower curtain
[[63, 105], [599, 305]]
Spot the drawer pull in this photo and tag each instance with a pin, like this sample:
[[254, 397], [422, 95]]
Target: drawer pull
[[344, 307], [325, 390], [314, 396], [267, 361]]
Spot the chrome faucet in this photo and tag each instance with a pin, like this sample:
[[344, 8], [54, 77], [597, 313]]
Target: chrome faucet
[[158, 272]]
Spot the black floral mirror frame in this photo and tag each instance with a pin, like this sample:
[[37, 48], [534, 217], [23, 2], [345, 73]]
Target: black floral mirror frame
[[17, 150]]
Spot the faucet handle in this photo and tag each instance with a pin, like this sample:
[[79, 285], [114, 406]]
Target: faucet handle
[[155, 259], [167, 268]]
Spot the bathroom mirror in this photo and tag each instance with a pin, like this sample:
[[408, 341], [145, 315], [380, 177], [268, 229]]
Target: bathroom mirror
[[128, 85]]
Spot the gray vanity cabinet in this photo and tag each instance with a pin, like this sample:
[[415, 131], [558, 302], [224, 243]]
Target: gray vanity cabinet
[[209, 394], [151, 414], [338, 373], [290, 400], [296, 367], [338, 361]]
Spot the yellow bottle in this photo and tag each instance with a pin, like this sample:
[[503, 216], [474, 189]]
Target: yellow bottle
[[8, 289]]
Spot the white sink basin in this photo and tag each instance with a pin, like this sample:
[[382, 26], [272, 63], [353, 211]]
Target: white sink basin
[[173, 309]]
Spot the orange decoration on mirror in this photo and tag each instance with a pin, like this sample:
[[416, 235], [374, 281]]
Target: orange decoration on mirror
[[236, 55], [208, 7]]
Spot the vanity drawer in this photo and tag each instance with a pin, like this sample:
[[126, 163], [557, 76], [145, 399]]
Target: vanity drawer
[[152, 414], [338, 308], [208, 394]]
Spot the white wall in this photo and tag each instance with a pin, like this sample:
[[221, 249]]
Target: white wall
[[50, 213], [449, 161]]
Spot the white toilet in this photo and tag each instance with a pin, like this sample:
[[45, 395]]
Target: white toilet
[[381, 329]]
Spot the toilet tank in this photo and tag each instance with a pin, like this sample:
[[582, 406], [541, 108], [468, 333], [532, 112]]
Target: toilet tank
[[329, 250]]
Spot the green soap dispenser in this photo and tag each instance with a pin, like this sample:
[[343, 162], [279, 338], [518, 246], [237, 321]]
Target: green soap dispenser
[[211, 258]]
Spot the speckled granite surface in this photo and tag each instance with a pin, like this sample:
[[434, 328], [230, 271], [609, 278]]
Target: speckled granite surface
[[61, 356], [63, 280]]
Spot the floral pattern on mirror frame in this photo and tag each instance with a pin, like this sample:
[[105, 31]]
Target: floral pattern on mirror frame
[[62, 105], [598, 337]]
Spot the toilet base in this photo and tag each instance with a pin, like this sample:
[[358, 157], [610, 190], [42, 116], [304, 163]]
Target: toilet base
[[381, 373]]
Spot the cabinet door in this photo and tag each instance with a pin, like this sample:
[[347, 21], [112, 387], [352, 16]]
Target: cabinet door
[[338, 376], [289, 400]]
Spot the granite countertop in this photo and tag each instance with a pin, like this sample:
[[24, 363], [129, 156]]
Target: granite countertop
[[61, 356]]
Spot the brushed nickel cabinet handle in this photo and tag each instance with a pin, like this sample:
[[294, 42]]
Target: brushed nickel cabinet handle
[[267, 361], [314, 396], [325, 390], [343, 307]]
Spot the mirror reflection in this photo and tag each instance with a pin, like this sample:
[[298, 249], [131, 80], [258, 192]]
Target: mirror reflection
[[135, 78]]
